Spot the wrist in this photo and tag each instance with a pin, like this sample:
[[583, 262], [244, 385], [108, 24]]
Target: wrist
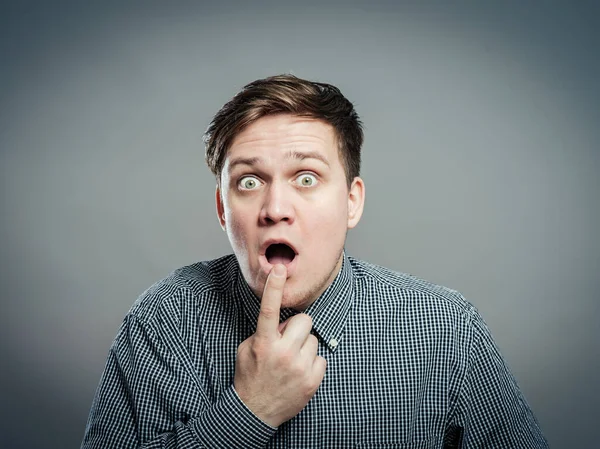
[[230, 423]]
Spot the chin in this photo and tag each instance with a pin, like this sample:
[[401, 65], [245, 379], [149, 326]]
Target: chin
[[295, 303], [293, 298]]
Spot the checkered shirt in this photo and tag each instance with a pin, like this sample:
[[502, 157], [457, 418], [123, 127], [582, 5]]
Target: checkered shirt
[[409, 365]]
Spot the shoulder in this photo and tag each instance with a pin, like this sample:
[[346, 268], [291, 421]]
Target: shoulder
[[385, 288], [192, 286]]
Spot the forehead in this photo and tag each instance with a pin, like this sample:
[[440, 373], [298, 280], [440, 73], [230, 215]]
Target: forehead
[[285, 132]]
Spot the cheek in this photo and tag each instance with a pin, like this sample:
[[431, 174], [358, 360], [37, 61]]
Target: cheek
[[237, 230], [334, 212], [242, 231], [329, 223]]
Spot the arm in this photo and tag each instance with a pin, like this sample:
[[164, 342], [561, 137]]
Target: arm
[[492, 411], [147, 398]]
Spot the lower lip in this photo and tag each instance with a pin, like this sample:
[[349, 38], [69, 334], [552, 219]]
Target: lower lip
[[266, 266]]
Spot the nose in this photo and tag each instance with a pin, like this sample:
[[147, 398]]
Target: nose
[[277, 205]]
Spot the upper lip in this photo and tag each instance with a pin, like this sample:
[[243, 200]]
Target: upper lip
[[272, 241]]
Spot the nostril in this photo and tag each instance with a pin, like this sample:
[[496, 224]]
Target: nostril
[[269, 220]]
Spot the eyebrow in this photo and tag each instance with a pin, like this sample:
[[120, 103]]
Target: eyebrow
[[295, 155]]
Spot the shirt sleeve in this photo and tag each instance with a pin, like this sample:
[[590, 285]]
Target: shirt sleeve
[[147, 399], [492, 411]]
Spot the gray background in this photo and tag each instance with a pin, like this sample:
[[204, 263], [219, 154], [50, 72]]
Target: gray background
[[480, 161]]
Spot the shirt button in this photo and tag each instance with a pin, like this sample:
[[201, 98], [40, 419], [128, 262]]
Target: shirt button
[[333, 342]]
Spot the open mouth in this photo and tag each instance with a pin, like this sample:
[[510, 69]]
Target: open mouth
[[279, 253]]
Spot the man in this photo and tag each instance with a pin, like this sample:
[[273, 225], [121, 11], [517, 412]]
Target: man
[[290, 342]]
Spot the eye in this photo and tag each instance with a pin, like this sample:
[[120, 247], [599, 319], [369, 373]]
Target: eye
[[306, 180], [249, 183]]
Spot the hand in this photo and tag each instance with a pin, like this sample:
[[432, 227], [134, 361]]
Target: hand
[[277, 370]]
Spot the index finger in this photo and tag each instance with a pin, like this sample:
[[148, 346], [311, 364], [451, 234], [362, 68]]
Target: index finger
[[270, 304]]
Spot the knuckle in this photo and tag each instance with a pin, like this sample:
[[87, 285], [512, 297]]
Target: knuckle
[[310, 389], [299, 370], [258, 349], [306, 319], [269, 312], [246, 346], [242, 348], [323, 366], [287, 358], [302, 319]]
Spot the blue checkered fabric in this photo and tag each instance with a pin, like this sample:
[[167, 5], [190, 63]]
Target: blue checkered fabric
[[409, 365]]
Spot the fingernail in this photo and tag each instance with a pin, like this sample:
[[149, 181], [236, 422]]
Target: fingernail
[[279, 270]]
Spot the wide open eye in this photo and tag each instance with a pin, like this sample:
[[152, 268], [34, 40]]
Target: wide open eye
[[306, 180], [249, 183]]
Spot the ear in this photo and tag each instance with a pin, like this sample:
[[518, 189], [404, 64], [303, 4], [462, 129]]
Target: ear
[[220, 207], [356, 202]]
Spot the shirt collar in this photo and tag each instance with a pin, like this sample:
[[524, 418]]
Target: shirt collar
[[329, 312]]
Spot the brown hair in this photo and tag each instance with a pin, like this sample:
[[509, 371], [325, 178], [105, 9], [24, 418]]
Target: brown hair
[[286, 94]]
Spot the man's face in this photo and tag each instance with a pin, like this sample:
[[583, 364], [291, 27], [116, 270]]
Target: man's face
[[283, 198]]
